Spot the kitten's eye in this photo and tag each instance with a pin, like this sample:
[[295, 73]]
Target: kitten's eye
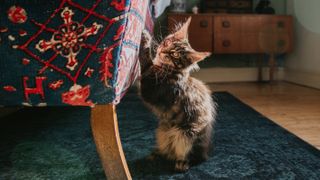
[[175, 55]]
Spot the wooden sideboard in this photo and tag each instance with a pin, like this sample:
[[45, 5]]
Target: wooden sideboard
[[239, 33]]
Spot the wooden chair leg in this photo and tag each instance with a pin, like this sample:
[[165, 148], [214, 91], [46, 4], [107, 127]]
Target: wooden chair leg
[[105, 130]]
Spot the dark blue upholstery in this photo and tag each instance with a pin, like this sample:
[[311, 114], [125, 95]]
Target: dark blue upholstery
[[68, 52]]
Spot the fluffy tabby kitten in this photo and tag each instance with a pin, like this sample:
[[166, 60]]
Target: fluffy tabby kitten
[[183, 104]]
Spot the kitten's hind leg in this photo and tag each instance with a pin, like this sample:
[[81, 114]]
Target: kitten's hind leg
[[201, 146], [199, 154]]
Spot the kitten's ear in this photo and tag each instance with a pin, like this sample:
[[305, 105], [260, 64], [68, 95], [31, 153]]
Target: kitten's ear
[[199, 56], [182, 32]]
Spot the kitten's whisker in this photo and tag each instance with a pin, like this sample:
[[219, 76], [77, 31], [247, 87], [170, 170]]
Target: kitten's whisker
[[176, 26], [161, 36]]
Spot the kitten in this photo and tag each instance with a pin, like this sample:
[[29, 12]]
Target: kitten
[[183, 104]]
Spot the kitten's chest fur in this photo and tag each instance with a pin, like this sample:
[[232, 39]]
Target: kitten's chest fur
[[177, 99], [162, 90]]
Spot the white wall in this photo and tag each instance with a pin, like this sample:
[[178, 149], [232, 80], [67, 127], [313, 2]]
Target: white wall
[[303, 65]]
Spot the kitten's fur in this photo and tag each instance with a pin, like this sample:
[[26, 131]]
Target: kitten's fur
[[183, 104]]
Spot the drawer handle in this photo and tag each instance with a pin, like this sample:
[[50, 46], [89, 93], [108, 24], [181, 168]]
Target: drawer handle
[[226, 43], [203, 23], [226, 24], [281, 24]]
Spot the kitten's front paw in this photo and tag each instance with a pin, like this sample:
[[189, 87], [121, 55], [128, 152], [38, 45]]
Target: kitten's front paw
[[181, 166], [146, 39]]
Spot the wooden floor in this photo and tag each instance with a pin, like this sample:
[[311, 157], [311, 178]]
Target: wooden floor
[[293, 107]]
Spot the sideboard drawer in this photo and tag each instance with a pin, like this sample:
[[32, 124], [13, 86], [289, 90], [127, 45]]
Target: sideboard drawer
[[226, 24], [277, 33], [278, 22], [275, 40], [199, 23], [252, 34], [236, 23], [226, 43], [200, 43], [200, 29], [231, 33]]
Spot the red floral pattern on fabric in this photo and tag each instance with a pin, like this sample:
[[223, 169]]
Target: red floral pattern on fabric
[[25, 61], [119, 4], [106, 65], [128, 69], [56, 84], [89, 72], [46, 45], [69, 39], [38, 89], [17, 14], [71, 49], [3, 29], [9, 88], [22, 32], [77, 96]]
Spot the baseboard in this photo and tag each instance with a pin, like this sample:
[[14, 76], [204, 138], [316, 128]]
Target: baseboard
[[212, 75], [303, 78]]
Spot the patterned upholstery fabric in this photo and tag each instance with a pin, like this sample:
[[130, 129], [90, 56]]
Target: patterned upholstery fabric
[[68, 52]]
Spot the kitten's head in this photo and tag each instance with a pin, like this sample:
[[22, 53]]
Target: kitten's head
[[175, 51]]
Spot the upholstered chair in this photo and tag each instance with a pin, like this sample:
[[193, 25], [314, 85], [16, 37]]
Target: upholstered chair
[[73, 53]]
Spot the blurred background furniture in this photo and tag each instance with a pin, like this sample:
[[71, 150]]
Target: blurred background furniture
[[74, 53], [226, 6], [239, 33]]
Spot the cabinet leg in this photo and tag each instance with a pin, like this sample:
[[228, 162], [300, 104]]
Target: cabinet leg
[[260, 67], [272, 66], [104, 126]]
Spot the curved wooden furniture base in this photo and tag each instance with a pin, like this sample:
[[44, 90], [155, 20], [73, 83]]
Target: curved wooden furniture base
[[104, 126]]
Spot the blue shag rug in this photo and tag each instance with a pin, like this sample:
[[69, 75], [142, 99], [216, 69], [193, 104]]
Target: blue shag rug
[[56, 143]]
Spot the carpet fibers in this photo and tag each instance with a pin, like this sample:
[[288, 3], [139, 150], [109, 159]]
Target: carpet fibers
[[56, 143]]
